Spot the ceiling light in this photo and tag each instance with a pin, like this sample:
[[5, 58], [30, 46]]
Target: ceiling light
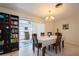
[[50, 16]]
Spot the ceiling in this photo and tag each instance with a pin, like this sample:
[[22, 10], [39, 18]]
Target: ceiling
[[41, 9]]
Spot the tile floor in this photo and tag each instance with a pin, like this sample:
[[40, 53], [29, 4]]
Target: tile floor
[[68, 50]]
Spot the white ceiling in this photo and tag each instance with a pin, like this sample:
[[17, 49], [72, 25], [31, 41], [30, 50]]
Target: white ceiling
[[41, 9]]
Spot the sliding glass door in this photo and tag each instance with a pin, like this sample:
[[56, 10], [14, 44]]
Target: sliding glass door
[[25, 30]]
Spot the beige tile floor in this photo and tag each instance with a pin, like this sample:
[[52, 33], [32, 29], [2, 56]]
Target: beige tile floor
[[68, 50]]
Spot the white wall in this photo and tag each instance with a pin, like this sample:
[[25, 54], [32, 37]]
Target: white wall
[[49, 26], [38, 28], [71, 35]]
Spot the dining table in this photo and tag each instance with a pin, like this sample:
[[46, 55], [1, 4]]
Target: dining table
[[46, 41]]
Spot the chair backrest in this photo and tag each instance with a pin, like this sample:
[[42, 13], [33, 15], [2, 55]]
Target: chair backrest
[[49, 33], [58, 34], [35, 40], [58, 40], [42, 34], [59, 37]]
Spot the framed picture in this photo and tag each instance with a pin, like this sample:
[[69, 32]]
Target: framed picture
[[65, 26]]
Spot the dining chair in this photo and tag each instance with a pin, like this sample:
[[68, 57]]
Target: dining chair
[[58, 43], [42, 34], [36, 44], [49, 33], [62, 40]]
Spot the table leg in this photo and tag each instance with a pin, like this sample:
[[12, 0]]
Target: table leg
[[43, 51], [33, 48], [49, 47]]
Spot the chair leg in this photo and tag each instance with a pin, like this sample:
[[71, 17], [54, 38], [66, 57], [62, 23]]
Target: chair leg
[[56, 49], [53, 46], [60, 47], [37, 51], [33, 48], [49, 47], [43, 51], [63, 43]]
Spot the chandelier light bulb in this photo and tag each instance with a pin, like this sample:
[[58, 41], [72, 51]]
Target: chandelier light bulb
[[52, 17], [49, 17]]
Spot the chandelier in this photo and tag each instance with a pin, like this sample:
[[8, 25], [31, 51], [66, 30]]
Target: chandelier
[[50, 14], [49, 17]]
